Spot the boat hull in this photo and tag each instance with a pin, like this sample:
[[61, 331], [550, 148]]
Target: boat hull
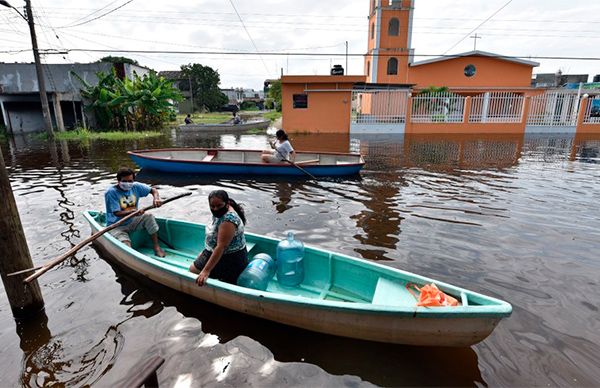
[[374, 325], [263, 124], [146, 160]]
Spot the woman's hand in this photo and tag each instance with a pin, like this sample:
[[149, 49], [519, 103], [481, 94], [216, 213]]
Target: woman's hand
[[201, 279]]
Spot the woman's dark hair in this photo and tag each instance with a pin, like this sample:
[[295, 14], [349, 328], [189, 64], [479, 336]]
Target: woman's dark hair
[[223, 196], [281, 134], [124, 171]]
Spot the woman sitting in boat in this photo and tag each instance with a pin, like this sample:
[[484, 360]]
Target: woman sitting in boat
[[282, 149], [224, 256]]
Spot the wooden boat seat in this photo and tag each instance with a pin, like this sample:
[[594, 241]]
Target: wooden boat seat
[[209, 158], [390, 293], [308, 161], [340, 162]]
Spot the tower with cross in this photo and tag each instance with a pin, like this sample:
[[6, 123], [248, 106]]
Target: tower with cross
[[389, 41]]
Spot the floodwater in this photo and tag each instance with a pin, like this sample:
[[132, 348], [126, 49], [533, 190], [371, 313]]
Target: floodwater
[[514, 217]]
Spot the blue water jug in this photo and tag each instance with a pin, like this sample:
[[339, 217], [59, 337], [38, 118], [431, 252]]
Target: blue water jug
[[290, 264], [258, 272]]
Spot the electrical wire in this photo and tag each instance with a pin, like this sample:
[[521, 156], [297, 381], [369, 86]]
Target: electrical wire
[[97, 17], [248, 33], [228, 53], [481, 24]]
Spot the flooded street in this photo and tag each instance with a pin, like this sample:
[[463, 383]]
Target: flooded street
[[511, 217]]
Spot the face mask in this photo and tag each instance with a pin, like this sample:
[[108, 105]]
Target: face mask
[[220, 212], [126, 186]]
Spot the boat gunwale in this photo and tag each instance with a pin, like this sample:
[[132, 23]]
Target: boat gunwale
[[241, 126], [498, 310], [140, 154]]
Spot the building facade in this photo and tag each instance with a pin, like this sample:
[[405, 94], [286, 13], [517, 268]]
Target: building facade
[[20, 105]]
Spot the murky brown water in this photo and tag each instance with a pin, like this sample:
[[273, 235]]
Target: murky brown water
[[509, 216]]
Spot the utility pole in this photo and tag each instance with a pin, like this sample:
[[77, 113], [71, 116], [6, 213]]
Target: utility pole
[[346, 57], [39, 71], [191, 93], [25, 299]]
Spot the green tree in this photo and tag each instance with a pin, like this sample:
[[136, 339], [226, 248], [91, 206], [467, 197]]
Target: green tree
[[205, 86], [140, 103], [275, 94], [112, 59]]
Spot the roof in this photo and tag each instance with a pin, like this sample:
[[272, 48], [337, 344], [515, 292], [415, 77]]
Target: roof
[[311, 79], [478, 53], [171, 74]]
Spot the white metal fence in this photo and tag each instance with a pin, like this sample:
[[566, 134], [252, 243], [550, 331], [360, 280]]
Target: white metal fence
[[438, 108], [554, 109], [379, 106], [497, 107], [592, 111]]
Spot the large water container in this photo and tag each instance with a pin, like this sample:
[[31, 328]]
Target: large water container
[[258, 272], [290, 264]]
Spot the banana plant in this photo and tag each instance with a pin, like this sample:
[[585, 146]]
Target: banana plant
[[139, 103]]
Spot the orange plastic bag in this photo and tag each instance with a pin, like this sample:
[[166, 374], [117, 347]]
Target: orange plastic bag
[[431, 296]]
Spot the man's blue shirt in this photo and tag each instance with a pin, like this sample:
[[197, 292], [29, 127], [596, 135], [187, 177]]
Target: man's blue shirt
[[118, 200]]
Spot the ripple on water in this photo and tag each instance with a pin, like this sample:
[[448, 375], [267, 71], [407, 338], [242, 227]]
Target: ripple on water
[[512, 217]]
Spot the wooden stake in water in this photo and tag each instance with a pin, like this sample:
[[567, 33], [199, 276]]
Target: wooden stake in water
[[25, 300]]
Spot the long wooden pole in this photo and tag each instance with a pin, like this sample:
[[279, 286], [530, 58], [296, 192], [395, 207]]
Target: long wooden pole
[[46, 267], [295, 165], [25, 301]]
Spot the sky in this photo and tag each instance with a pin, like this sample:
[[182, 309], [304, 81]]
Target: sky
[[526, 28]]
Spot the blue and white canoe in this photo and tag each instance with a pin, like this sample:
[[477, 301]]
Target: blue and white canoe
[[340, 295], [244, 162]]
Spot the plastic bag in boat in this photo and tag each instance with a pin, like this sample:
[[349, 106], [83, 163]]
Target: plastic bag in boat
[[431, 296]]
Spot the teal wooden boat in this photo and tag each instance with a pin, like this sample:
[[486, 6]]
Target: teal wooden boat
[[340, 295]]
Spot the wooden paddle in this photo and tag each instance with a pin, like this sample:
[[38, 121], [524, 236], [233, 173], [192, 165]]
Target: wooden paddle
[[46, 267], [294, 164]]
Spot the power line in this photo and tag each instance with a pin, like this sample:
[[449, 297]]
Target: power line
[[228, 53], [90, 14], [481, 24], [248, 33], [98, 17]]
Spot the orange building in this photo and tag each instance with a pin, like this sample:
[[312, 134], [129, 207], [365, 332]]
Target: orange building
[[390, 57], [317, 103], [489, 93]]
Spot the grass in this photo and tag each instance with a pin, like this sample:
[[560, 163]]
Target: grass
[[256, 130], [86, 134], [273, 115], [83, 134]]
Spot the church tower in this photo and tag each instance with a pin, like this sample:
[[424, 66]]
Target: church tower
[[390, 32]]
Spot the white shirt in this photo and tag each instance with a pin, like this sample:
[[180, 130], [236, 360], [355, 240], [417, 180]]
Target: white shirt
[[283, 150]]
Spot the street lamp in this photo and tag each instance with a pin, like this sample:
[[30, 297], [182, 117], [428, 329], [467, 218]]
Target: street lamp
[[38, 64]]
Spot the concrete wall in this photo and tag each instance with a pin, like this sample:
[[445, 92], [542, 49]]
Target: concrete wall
[[490, 73], [329, 103], [18, 78]]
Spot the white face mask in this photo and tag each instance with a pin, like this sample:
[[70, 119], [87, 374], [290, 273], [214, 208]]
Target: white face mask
[[126, 186]]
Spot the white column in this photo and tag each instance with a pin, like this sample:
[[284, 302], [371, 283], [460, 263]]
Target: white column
[[486, 107], [5, 116]]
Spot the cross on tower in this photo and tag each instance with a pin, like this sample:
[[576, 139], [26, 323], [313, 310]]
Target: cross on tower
[[475, 37]]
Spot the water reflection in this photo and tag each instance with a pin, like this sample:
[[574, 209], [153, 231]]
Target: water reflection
[[470, 210], [375, 362]]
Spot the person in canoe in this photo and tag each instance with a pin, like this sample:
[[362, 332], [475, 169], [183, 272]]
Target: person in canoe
[[282, 149], [188, 120], [122, 199], [236, 119], [224, 256]]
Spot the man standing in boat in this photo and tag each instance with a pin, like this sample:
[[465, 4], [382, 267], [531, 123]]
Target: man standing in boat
[[122, 199]]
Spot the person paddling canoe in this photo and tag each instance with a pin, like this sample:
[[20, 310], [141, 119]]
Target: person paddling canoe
[[282, 149], [122, 199]]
